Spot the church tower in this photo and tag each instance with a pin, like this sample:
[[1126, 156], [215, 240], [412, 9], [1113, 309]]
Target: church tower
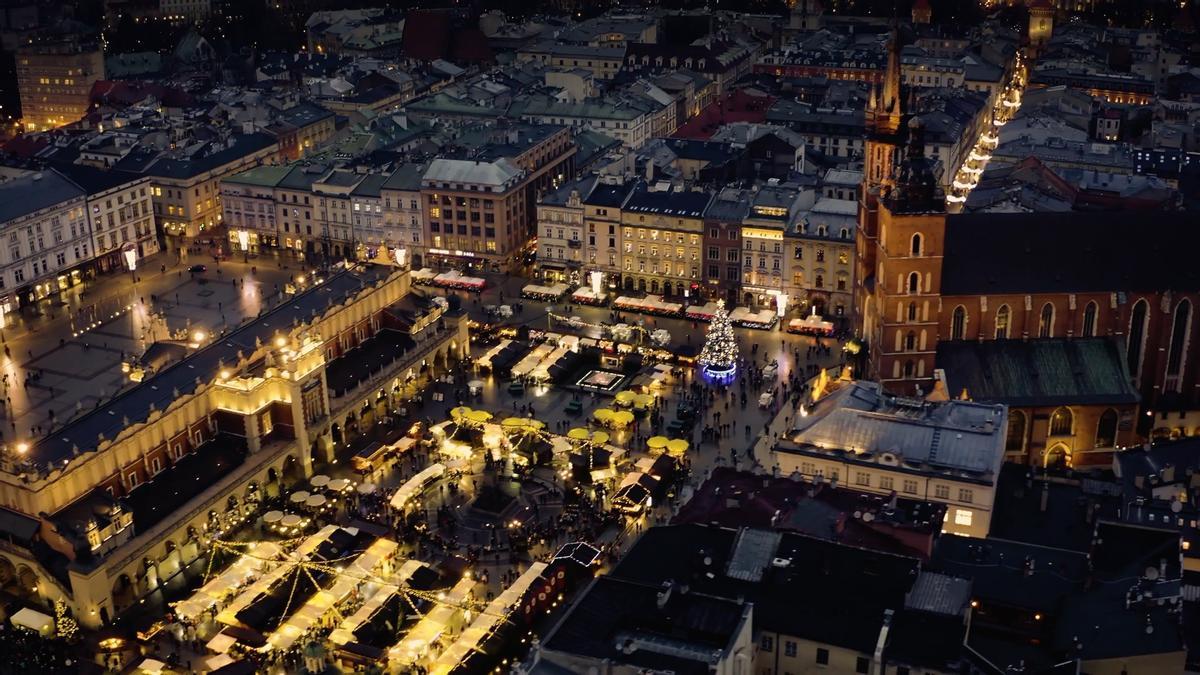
[[905, 294], [884, 116], [1041, 21]]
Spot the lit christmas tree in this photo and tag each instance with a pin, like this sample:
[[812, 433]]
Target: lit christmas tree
[[718, 357], [64, 625]]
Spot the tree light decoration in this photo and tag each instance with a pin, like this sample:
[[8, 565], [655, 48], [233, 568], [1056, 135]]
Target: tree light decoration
[[718, 357], [64, 625]]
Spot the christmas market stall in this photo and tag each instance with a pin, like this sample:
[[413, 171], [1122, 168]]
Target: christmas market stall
[[491, 620], [551, 293], [584, 295], [745, 317]]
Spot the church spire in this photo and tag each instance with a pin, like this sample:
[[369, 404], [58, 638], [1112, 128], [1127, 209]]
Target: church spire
[[891, 77]]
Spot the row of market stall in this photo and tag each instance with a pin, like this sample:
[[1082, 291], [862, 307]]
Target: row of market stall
[[453, 279]]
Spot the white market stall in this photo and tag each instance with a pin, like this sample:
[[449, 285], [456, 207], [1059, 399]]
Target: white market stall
[[419, 641], [364, 567], [584, 295], [748, 318], [414, 486], [344, 633], [552, 292], [242, 571], [485, 624]]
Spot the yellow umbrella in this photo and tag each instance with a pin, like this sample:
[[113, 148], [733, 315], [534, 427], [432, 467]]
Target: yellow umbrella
[[643, 400], [513, 422], [460, 411], [478, 416], [578, 433], [600, 437], [535, 424], [657, 442], [622, 418], [677, 446], [602, 413], [625, 398]]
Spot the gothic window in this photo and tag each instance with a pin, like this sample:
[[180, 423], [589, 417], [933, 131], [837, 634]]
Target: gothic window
[[958, 323], [1061, 422], [1137, 334], [1089, 320], [1179, 337], [916, 244], [1106, 429], [1046, 321], [1003, 317]]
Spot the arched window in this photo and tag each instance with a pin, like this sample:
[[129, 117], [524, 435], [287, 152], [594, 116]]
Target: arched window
[[958, 323], [1061, 422], [1179, 337], [916, 244], [1016, 431], [910, 341], [1046, 321], [914, 283], [908, 368], [1137, 334], [1106, 429], [912, 311], [1089, 320], [1003, 316]]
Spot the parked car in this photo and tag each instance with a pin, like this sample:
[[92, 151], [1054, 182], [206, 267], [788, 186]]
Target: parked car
[[198, 269]]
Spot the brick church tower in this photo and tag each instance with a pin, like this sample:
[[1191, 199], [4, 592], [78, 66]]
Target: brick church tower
[[901, 229]]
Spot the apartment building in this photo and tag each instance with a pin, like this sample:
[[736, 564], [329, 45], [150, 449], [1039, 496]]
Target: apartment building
[[120, 216], [819, 272], [47, 246], [773, 209], [476, 213], [186, 183], [661, 231], [723, 245], [864, 611], [403, 213], [560, 232], [54, 79], [602, 222], [948, 452], [114, 504]]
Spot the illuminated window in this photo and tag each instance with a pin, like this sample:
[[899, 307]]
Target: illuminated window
[[963, 517]]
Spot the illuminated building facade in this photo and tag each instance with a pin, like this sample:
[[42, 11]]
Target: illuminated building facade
[[54, 79], [117, 501]]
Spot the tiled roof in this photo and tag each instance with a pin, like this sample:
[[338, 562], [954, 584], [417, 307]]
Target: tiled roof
[[1040, 372]]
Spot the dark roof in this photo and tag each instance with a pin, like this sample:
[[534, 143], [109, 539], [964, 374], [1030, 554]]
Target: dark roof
[[1073, 504], [243, 144], [1040, 372], [605, 194], [993, 253], [304, 114], [34, 192], [686, 203], [109, 419], [17, 526], [998, 571], [614, 612], [845, 590], [94, 180]]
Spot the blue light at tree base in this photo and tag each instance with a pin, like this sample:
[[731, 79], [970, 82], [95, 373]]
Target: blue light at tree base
[[719, 375]]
